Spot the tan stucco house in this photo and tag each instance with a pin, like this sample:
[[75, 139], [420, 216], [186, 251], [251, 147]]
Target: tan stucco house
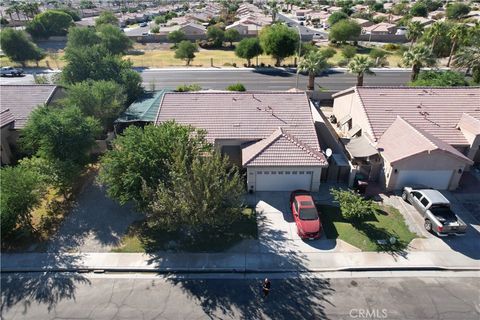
[[16, 104], [410, 135], [269, 134]]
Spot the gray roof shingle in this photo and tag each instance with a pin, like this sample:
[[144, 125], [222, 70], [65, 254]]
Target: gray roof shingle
[[21, 100]]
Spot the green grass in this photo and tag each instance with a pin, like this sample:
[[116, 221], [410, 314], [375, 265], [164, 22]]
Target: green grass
[[143, 237], [384, 224]]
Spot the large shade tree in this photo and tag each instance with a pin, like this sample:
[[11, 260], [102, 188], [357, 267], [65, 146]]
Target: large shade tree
[[249, 48], [279, 41], [360, 65], [17, 47], [313, 63]]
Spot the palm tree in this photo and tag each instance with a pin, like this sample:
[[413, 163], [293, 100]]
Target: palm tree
[[469, 58], [9, 11], [457, 33], [360, 65], [312, 63], [418, 57], [434, 32], [414, 31]]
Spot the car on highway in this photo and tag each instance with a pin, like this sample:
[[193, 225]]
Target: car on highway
[[11, 71], [305, 215], [435, 210]]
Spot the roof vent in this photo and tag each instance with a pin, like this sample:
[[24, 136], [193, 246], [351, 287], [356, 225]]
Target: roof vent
[[236, 125]]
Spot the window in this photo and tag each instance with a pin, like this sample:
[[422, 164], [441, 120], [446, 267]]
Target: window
[[416, 195], [424, 201], [267, 172], [301, 172], [280, 172], [287, 172], [274, 172], [309, 172], [294, 172], [259, 172]]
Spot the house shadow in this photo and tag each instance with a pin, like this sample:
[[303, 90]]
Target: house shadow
[[95, 219], [48, 288], [468, 245], [274, 72], [291, 298]]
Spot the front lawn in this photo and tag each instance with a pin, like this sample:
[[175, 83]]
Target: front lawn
[[384, 224], [144, 238]]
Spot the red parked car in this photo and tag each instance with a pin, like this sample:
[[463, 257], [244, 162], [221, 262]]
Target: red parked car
[[305, 215]]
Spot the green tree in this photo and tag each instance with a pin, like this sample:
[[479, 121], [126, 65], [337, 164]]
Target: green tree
[[140, 158], [104, 100], [328, 52], [248, 48], [205, 193], [113, 39], [336, 17], [279, 41], [82, 37], [438, 39], [63, 134], [176, 37], [17, 47], [419, 9], [344, 30], [457, 10], [414, 32], [21, 191], [232, 35], [352, 205], [432, 78], [216, 36], [49, 23], [469, 58], [106, 17], [458, 34], [236, 87], [418, 57], [97, 63], [312, 64], [72, 13], [360, 65], [378, 56], [186, 51]]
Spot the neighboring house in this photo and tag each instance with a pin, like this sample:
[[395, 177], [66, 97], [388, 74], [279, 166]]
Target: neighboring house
[[191, 30], [363, 22], [400, 135], [249, 26], [423, 21], [270, 134], [382, 28], [16, 104]]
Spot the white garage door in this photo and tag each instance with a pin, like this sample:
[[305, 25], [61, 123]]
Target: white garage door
[[437, 179], [283, 180]]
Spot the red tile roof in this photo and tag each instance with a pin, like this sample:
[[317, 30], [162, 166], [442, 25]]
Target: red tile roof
[[6, 117], [282, 149], [435, 110], [21, 100], [402, 140]]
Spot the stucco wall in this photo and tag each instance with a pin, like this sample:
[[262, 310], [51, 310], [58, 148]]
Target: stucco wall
[[317, 172], [436, 160]]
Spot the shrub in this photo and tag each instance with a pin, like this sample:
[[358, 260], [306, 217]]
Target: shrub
[[391, 46], [188, 87], [353, 206], [236, 87], [328, 52], [349, 51]]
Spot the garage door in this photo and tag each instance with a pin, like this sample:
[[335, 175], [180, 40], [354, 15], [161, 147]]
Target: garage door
[[437, 179], [283, 180]]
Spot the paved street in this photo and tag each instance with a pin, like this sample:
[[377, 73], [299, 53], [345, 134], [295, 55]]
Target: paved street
[[253, 79], [147, 296]]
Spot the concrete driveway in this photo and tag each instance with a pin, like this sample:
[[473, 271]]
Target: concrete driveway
[[277, 231]]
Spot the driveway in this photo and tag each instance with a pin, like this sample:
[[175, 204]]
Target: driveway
[[95, 224], [277, 231]]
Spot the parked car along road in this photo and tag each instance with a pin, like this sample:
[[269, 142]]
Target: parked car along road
[[305, 215], [436, 211], [11, 71]]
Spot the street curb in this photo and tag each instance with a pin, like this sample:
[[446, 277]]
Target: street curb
[[233, 270]]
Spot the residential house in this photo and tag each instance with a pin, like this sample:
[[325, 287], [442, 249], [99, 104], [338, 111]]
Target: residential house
[[270, 134], [192, 30], [410, 135], [363, 22], [16, 104], [249, 26], [382, 28], [425, 22]]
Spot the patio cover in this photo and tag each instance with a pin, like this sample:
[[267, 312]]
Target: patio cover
[[360, 147]]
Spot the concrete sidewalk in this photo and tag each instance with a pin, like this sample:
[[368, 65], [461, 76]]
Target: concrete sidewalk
[[236, 262]]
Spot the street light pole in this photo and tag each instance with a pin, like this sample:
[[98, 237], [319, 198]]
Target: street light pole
[[299, 52]]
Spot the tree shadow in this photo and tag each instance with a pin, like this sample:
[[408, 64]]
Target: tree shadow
[[381, 238], [46, 287], [274, 72]]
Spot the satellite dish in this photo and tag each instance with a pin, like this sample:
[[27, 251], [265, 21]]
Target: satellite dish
[[328, 152]]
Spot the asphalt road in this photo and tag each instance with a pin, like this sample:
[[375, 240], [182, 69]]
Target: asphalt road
[[266, 79], [145, 296]]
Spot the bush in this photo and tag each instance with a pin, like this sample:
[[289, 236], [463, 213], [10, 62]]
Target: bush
[[457, 10], [391, 46], [419, 10], [336, 17], [328, 52], [349, 51], [435, 78], [155, 29], [236, 87], [188, 87], [344, 30], [343, 63], [353, 206]]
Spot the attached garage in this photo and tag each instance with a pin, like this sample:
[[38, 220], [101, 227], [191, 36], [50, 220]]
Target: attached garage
[[437, 179], [277, 180]]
